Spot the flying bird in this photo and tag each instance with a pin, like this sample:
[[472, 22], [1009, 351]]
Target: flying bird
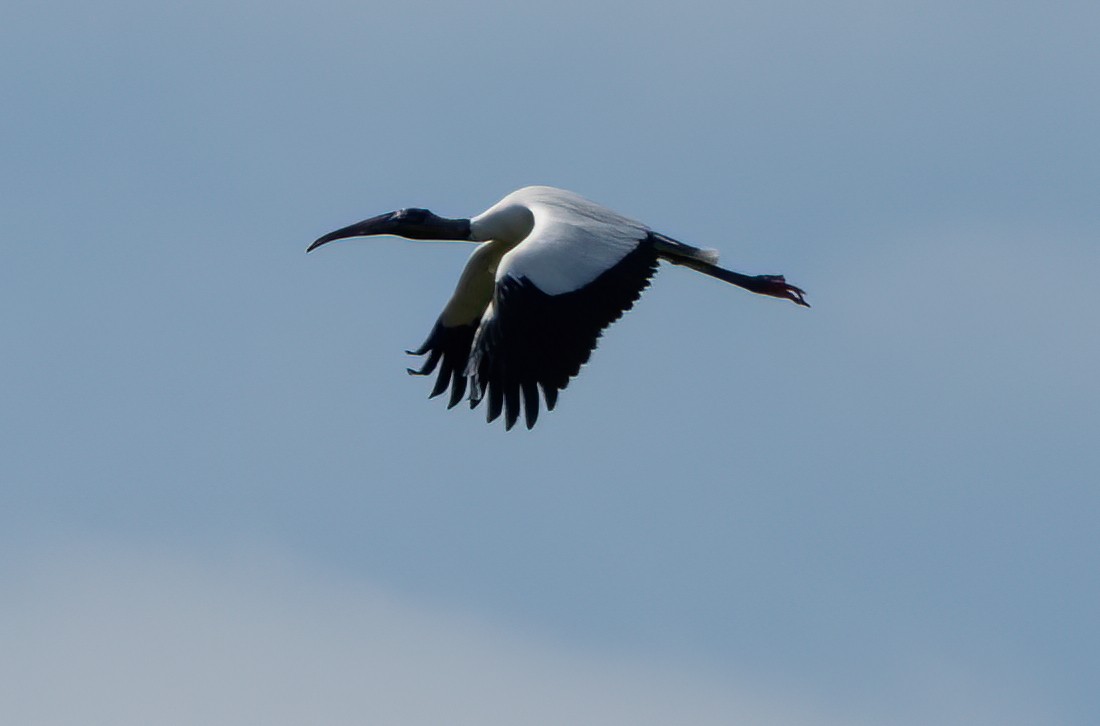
[[550, 272]]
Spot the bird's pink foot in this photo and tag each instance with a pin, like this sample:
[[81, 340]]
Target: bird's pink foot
[[777, 286]]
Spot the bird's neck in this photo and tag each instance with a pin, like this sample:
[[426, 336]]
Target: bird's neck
[[509, 224], [435, 228]]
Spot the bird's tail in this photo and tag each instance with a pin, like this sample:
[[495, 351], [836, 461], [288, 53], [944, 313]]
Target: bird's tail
[[679, 253]]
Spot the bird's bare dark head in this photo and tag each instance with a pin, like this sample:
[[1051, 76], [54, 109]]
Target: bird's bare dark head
[[413, 215], [411, 223], [417, 223]]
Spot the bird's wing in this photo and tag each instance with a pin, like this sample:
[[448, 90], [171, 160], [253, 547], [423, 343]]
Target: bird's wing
[[555, 293], [448, 345]]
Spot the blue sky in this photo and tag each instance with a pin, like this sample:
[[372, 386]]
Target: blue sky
[[223, 500]]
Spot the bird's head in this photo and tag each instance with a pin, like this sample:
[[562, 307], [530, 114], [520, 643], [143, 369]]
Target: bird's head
[[412, 223]]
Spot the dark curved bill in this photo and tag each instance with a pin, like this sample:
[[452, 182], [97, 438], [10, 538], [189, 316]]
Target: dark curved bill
[[382, 224]]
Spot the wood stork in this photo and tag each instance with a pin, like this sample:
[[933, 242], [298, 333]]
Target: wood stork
[[550, 272]]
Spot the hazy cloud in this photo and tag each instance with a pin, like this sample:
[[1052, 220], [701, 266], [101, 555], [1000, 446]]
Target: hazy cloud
[[100, 636]]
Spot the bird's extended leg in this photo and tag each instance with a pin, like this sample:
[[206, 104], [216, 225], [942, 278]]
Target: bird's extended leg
[[705, 261]]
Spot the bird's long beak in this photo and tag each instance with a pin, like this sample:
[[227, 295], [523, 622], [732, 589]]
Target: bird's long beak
[[382, 224]]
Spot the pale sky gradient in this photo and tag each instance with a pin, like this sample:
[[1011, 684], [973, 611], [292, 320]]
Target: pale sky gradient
[[217, 481]]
